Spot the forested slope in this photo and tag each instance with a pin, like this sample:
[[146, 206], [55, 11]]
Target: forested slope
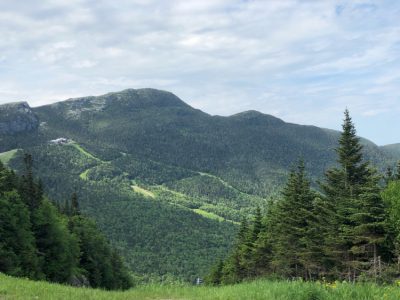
[[166, 182]]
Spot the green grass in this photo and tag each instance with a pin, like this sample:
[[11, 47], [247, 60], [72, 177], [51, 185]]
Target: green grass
[[84, 175], [207, 214], [83, 151], [15, 289], [142, 191], [5, 157]]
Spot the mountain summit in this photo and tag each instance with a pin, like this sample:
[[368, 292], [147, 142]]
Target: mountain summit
[[166, 182]]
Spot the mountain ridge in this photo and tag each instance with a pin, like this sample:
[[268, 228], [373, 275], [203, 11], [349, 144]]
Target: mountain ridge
[[203, 172], [248, 114]]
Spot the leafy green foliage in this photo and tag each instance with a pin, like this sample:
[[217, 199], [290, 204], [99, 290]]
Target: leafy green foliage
[[36, 240]]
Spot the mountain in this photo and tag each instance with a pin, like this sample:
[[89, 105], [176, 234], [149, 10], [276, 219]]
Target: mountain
[[392, 150], [17, 117], [166, 182]]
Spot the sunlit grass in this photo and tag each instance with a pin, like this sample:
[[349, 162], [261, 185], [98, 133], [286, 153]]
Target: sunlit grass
[[5, 157], [142, 191], [12, 288], [83, 151], [84, 175], [207, 214]]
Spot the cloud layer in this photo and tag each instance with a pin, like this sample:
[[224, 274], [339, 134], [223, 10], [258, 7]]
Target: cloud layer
[[303, 61]]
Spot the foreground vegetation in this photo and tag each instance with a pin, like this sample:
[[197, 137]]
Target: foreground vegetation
[[12, 288], [348, 230], [46, 241]]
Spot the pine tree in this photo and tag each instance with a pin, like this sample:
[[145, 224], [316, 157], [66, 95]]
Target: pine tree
[[391, 197], [74, 205], [262, 254], [318, 230], [293, 215], [343, 188], [215, 277], [248, 246], [370, 226], [58, 248], [17, 243], [234, 269], [397, 177], [257, 225], [102, 266], [31, 192]]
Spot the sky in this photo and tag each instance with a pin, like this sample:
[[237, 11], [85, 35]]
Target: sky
[[303, 61]]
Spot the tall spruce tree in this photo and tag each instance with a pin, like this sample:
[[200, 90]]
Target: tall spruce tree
[[234, 269], [58, 248], [292, 242], [348, 188], [74, 204], [370, 226], [262, 254], [31, 192]]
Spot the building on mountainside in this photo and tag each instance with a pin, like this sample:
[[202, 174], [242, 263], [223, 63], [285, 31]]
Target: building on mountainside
[[60, 141]]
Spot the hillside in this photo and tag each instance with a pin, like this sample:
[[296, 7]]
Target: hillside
[[12, 288], [167, 183], [393, 149]]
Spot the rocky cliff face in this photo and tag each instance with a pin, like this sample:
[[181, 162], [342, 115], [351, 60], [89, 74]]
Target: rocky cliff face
[[17, 117]]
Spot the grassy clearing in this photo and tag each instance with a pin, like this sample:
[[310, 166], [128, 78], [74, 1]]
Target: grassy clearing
[[219, 179], [167, 190], [12, 288], [142, 191], [84, 175], [184, 201], [5, 157], [83, 151], [207, 214]]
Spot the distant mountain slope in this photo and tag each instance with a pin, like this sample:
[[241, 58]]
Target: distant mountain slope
[[393, 150], [167, 182]]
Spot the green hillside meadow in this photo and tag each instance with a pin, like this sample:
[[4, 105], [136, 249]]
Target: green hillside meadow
[[12, 288]]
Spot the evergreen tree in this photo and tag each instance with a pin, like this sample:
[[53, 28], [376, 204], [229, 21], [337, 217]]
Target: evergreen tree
[[319, 227], [234, 269], [74, 205], [39, 242], [262, 254], [343, 188], [101, 265], [257, 225], [31, 192], [121, 280], [17, 243], [215, 277], [391, 197], [370, 226], [292, 225], [58, 248]]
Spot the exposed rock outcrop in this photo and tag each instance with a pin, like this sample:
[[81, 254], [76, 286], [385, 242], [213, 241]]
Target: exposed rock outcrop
[[17, 117]]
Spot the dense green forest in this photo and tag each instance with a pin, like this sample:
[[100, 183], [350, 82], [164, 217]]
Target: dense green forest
[[347, 230], [166, 183], [47, 241]]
